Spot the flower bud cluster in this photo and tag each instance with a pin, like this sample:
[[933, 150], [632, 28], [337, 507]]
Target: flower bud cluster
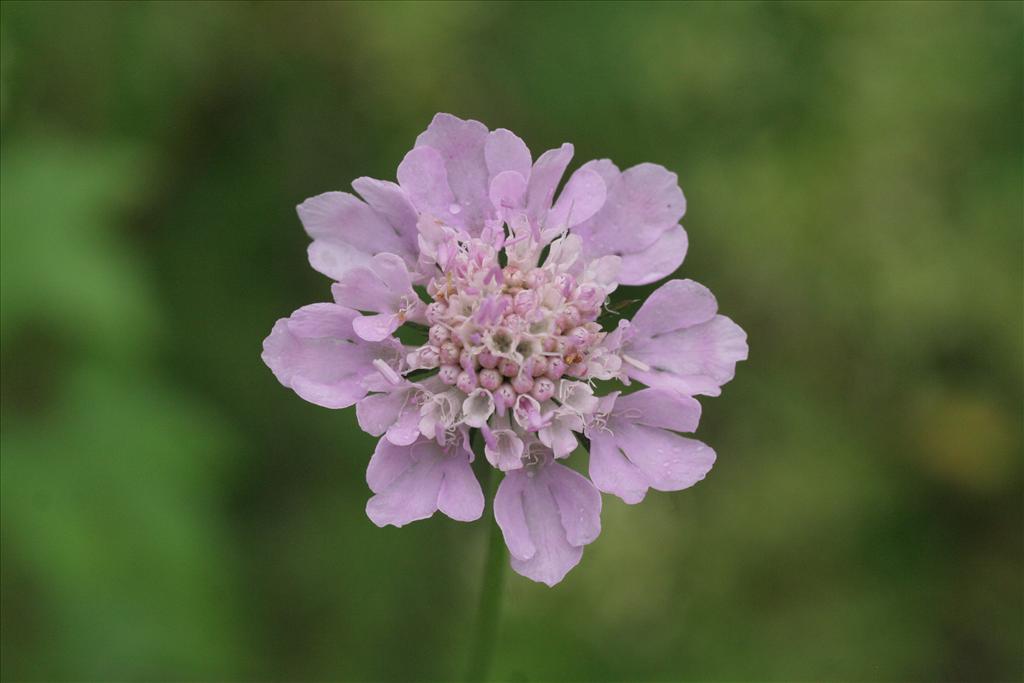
[[511, 330]]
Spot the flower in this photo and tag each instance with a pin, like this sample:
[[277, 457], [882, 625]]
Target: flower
[[506, 286]]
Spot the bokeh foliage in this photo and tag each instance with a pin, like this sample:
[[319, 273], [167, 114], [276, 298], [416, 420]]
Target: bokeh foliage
[[854, 175]]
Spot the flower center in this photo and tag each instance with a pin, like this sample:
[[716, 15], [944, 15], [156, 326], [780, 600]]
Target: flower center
[[514, 329]]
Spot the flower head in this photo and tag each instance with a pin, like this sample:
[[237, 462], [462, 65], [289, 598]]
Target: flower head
[[512, 290]]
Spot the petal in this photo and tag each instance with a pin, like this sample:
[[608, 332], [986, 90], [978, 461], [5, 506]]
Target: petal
[[508, 191], [376, 328], [608, 171], [334, 259], [393, 274], [376, 413], [316, 354], [393, 205], [387, 464], [533, 505], [603, 364], [505, 151], [460, 497], [346, 231], [564, 252], [604, 271], [660, 408], [583, 196], [558, 435], [544, 179], [478, 407], [507, 452], [410, 498], [526, 412], [406, 428], [322, 320], [461, 144], [577, 396], [643, 202], [510, 515], [668, 461], [382, 286], [362, 290], [579, 503], [656, 261], [439, 412], [422, 176], [674, 305], [412, 482], [692, 360], [612, 472]]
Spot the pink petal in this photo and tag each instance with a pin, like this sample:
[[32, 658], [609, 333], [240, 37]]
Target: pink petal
[[377, 413], [668, 461], [507, 452], [387, 464], [382, 286], [558, 435], [393, 205], [413, 482], [582, 197], [605, 168], [322, 320], [579, 504], [334, 259], [363, 290], [643, 202], [638, 221], [656, 261], [347, 232], [555, 556], [674, 305], [376, 327], [612, 472], [508, 191], [316, 354], [461, 144], [460, 497], [505, 151], [510, 515], [544, 178], [691, 360], [546, 516], [412, 497], [660, 408], [423, 177], [406, 428], [394, 275]]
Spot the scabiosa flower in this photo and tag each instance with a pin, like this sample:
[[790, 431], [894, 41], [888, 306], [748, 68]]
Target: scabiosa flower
[[512, 283]]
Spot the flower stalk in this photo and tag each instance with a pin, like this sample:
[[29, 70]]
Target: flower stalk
[[488, 615]]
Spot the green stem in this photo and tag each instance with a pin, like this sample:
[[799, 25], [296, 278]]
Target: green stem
[[489, 612]]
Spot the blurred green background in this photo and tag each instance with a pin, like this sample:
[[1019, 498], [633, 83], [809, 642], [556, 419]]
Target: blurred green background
[[854, 175]]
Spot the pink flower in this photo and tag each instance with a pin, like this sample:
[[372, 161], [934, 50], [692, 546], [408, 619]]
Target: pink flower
[[515, 281]]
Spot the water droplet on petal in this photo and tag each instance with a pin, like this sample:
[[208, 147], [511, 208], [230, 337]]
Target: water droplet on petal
[[455, 208]]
